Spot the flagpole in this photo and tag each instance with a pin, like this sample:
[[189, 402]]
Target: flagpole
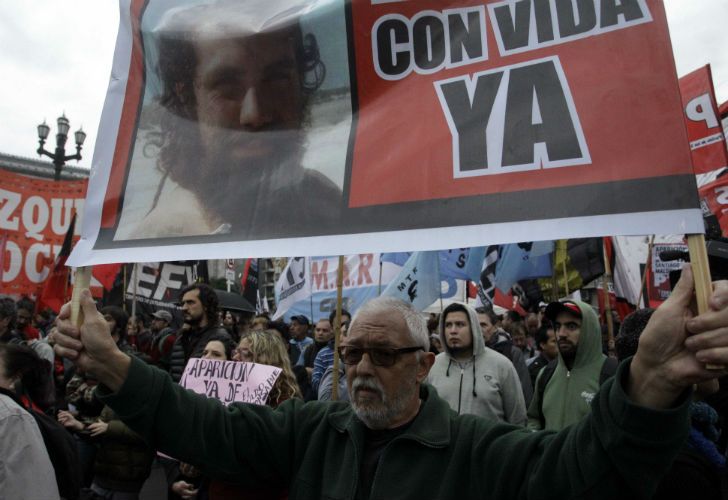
[[81, 280], [379, 287], [648, 263], [337, 328], [310, 296], [123, 292], [134, 298], [701, 274], [566, 276], [606, 280]]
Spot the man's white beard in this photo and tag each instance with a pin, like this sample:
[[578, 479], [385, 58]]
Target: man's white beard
[[381, 414]]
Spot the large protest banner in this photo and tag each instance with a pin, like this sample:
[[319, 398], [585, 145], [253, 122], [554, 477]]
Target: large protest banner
[[35, 215], [391, 125], [705, 131]]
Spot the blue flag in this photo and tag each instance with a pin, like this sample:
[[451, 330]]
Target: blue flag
[[418, 282], [520, 261], [461, 263], [397, 258]]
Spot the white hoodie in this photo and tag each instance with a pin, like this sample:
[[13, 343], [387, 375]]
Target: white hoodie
[[485, 385]]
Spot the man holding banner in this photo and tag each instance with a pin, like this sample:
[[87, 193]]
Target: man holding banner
[[398, 439]]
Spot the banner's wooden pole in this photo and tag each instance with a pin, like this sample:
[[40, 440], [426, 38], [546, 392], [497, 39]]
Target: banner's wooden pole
[[566, 277], [607, 303], [648, 263], [337, 328], [701, 273], [81, 280]]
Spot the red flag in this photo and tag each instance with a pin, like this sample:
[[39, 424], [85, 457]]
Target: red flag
[[106, 274], [55, 287], [702, 119]]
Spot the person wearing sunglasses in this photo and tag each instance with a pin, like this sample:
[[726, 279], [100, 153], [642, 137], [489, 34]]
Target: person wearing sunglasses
[[398, 439]]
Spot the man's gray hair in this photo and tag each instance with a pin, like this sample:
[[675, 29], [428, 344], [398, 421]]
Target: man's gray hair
[[387, 305]]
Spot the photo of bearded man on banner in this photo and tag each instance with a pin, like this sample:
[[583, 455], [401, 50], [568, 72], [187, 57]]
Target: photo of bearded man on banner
[[228, 127]]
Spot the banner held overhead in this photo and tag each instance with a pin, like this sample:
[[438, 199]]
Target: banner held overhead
[[362, 126]]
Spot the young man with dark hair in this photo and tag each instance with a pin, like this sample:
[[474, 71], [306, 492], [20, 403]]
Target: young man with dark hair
[[566, 388], [201, 321], [471, 377], [547, 350]]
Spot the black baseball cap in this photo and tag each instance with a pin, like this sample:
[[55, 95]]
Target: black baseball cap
[[301, 319], [567, 306]]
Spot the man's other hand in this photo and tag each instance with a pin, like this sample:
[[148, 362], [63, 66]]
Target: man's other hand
[[677, 344], [91, 347]]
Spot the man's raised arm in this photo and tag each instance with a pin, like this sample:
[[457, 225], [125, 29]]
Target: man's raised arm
[[91, 347]]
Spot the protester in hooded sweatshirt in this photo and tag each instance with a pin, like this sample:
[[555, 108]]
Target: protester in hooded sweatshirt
[[499, 340], [471, 377], [566, 387]]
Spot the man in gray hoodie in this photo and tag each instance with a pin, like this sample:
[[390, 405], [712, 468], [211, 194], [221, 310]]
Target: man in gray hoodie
[[471, 377]]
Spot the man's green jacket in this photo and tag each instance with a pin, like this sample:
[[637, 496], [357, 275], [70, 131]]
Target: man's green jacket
[[618, 451]]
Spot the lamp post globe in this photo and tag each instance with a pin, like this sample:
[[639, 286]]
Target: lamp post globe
[[59, 156]]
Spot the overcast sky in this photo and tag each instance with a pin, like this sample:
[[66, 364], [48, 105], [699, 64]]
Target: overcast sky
[[57, 56]]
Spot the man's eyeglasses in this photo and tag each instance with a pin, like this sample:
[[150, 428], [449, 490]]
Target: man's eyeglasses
[[380, 356]]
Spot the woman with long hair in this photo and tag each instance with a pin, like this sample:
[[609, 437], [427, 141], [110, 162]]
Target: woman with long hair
[[267, 348]]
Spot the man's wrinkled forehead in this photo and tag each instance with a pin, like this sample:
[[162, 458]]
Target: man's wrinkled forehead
[[383, 327]]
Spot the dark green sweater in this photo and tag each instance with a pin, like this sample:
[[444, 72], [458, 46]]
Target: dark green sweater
[[618, 451]]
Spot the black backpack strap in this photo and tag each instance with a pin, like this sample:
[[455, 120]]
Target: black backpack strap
[[546, 373], [609, 368]]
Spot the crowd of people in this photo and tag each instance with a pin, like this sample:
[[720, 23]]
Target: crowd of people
[[539, 372]]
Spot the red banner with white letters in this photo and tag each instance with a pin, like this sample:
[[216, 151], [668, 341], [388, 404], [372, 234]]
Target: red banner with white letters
[[34, 217], [714, 198], [290, 127], [705, 132]]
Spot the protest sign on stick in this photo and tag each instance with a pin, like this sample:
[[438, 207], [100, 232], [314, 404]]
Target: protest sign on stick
[[702, 120], [389, 126], [230, 381]]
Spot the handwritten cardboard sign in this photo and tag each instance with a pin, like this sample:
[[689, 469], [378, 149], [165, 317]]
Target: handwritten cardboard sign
[[230, 381]]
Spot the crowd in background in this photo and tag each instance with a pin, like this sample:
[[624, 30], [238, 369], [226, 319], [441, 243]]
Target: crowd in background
[[519, 358]]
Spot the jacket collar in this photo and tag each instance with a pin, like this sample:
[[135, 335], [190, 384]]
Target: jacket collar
[[431, 426]]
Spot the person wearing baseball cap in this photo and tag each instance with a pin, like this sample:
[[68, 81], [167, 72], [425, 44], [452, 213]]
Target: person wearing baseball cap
[[566, 386]]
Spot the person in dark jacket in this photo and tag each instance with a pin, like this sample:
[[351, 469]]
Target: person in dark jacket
[[201, 322], [547, 350], [498, 339], [8, 315], [699, 471]]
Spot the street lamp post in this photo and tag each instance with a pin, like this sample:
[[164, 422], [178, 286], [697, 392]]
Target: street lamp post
[[59, 157]]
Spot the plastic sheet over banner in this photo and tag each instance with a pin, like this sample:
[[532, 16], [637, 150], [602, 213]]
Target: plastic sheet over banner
[[284, 127]]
